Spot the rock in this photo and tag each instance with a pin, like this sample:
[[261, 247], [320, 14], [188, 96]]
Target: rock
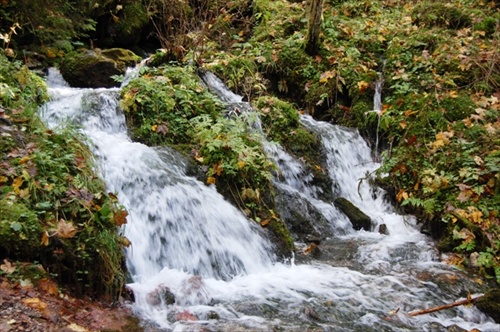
[[95, 68], [490, 304], [305, 222], [162, 292], [382, 229], [357, 217]]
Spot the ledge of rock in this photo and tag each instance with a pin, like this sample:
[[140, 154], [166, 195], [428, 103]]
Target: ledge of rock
[[358, 218], [95, 68]]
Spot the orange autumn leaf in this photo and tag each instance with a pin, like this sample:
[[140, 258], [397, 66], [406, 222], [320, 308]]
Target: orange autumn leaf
[[120, 217]]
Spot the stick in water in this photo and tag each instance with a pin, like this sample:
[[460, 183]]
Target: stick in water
[[442, 307]]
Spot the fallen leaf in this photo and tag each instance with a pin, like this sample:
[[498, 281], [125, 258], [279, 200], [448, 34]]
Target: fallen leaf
[[48, 286], [76, 328], [45, 239], [7, 267], [120, 217], [35, 303], [66, 230]]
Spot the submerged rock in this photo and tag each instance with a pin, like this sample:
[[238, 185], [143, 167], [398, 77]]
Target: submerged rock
[[357, 217], [95, 68]]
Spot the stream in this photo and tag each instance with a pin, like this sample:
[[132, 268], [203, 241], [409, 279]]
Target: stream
[[198, 264]]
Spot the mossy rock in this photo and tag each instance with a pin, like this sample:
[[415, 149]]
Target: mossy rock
[[357, 217], [95, 68], [490, 304]]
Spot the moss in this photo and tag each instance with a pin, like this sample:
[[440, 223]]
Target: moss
[[283, 238], [279, 117], [490, 304], [440, 13]]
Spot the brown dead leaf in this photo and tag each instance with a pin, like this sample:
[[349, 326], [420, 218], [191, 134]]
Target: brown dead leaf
[[7, 267], [48, 286], [45, 239], [66, 230], [120, 217]]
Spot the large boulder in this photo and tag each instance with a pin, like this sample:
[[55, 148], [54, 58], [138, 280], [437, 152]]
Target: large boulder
[[357, 217], [95, 68]]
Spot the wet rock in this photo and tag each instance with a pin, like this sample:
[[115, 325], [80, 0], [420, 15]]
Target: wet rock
[[311, 313], [312, 238], [302, 219], [212, 315], [357, 217], [382, 229], [161, 294], [95, 68], [490, 304]]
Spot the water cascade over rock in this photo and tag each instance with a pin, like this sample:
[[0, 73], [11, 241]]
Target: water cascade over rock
[[198, 264]]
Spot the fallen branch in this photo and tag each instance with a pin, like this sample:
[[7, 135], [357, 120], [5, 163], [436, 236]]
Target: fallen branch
[[442, 307]]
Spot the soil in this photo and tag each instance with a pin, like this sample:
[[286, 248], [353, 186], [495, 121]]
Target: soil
[[45, 308]]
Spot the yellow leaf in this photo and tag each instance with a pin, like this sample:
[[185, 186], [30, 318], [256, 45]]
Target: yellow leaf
[[381, 38], [402, 195], [66, 230], [403, 124], [468, 122], [324, 77], [3, 179], [211, 180], [18, 182], [362, 86], [35, 303], [453, 94], [241, 164], [45, 239], [153, 127], [478, 161], [24, 193]]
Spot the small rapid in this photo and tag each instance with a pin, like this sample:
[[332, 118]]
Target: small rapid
[[190, 244]]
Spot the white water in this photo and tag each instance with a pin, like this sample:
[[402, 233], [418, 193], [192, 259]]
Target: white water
[[186, 237]]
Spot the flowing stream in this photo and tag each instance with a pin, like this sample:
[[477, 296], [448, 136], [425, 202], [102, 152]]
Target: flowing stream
[[190, 244]]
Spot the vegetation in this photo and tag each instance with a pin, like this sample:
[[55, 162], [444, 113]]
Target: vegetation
[[55, 212], [437, 133]]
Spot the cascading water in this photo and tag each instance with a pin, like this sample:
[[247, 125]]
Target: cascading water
[[187, 238]]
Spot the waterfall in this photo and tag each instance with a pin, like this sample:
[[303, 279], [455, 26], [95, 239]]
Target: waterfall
[[188, 243]]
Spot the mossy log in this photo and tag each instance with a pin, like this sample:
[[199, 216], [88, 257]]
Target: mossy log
[[357, 217]]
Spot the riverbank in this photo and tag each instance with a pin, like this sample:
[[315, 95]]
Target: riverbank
[[44, 308]]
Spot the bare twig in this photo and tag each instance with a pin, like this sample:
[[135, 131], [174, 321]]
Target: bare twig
[[442, 307]]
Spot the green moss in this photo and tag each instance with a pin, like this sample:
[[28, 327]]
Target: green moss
[[279, 117], [440, 13], [283, 237]]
